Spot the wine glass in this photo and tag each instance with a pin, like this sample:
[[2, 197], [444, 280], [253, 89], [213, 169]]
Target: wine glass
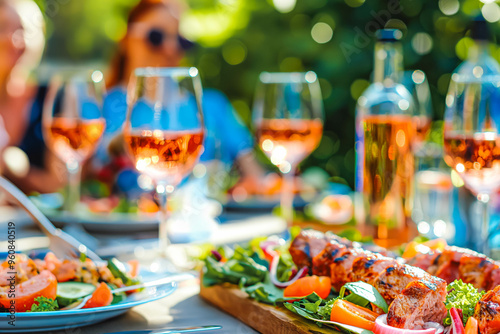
[[288, 118], [73, 123], [471, 141], [164, 130]]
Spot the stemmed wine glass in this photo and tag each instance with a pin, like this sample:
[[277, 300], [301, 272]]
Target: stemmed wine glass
[[73, 123], [164, 130], [288, 118], [471, 140]]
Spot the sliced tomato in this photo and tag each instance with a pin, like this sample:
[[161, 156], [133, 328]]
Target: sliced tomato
[[306, 285], [42, 285], [351, 314], [102, 296], [471, 327]]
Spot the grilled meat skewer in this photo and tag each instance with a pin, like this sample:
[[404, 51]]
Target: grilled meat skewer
[[399, 284]]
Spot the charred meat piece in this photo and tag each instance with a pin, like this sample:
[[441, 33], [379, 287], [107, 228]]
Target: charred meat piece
[[321, 262], [367, 268], [306, 246], [446, 264], [476, 269], [420, 302], [379, 250], [343, 241], [341, 266], [395, 278], [423, 261], [494, 277], [487, 312]]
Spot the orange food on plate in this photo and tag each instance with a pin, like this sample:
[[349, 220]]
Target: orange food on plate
[[66, 271], [102, 296], [471, 327], [42, 285], [306, 285], [351, 314], [413, 248], [101, 205], [147, 205], [63, 270]]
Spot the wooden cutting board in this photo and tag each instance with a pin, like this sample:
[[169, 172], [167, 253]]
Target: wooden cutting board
[[263, 318]]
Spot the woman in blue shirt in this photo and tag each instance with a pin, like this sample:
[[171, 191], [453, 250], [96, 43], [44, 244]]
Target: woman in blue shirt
[[153, 39]]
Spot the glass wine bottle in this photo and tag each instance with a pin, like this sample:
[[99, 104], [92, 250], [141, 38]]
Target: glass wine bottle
[[384, 133]]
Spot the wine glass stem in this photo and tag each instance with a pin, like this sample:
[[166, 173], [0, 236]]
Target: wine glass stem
[[287, 195], [163, 240], [74, 180], [485, 223]]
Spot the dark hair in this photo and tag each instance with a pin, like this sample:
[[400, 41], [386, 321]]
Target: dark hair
[[116, 72]]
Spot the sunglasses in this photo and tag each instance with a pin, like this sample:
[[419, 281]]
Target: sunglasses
[[156, 37]]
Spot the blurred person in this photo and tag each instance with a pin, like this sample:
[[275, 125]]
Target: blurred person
[[153, 40], [25, 161]]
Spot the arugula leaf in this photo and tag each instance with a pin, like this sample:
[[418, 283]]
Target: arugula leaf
[[233, 271], [362, 294], [44, 305], [265, 292], [302, 311], [285, 265], [309, 310], [462, 296], [326, 310]]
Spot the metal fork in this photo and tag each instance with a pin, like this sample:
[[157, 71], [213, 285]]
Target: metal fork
[[62, 244]]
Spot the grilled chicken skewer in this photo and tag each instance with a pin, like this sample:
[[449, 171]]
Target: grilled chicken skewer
[[460, 263], [415, 296]]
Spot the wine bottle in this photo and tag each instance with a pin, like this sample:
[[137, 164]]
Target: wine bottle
[[385, 162]]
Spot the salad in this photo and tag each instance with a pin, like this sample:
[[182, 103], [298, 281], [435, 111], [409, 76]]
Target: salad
[[51, 284], [267, 271]]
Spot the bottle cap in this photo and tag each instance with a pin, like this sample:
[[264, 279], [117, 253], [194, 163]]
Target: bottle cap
[[389, 35], [480, 30]]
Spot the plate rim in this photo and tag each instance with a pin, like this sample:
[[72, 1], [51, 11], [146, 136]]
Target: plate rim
[[116, 307]]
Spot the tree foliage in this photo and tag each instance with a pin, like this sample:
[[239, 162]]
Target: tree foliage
[[237, 39]]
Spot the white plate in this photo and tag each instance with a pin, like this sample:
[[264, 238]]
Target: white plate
[[29, 322]]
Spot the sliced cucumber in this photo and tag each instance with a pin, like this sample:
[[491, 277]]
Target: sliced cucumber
[[118, 270], [70, 292]]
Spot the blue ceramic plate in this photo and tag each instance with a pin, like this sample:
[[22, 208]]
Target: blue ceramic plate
[[27, 322]]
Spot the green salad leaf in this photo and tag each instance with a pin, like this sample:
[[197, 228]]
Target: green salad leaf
[[240, 272], [362, 294], [265, 292], [44, 305], [248, 268], [318, 310], [326, 310], [463, 296]]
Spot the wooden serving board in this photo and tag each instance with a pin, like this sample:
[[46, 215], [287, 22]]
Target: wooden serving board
[[261, 317]]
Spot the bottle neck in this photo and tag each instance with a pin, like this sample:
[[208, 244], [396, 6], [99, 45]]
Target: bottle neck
[[388, 63], [477, 49]]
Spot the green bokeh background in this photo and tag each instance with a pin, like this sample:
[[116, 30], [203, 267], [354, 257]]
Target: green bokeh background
[[237, 39]]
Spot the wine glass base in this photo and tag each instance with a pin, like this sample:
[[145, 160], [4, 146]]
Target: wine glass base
[[172, 260]]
